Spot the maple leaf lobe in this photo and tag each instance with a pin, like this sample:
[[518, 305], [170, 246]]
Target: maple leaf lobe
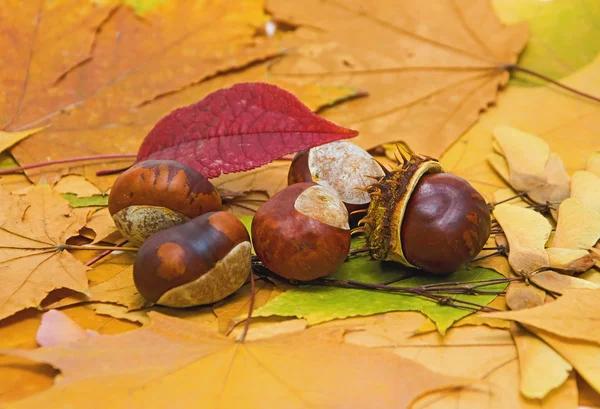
[[237, 129]]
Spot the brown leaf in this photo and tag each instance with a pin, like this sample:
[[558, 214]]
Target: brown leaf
[[542, 369], [532, 168], [44, 40], [112, 282], [160, 364], [32, 263], [522, 295], [101, 222], [573, 315], [429, 71]]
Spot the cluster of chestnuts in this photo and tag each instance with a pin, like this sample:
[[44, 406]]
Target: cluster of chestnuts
[[194, 253]]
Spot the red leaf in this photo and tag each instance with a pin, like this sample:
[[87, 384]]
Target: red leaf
[[237, 129]]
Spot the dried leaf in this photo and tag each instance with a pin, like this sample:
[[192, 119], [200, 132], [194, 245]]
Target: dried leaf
[[583, 355], [573, 315], [32, 263], [8, 139], [522, 295], [532, 167], [542, 369], [319, 304], [527, 232], [237, 129], [570, 126], [118, 289], [578, 226], [585, 186], [314, 368], [429, 71], [102, 224], [76, 185], [499, 389], [43, 42], [234, 309], [558, 283], [570, 261], [546, 51]]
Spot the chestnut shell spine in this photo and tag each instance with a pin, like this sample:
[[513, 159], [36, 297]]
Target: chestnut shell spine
[[198, 262]]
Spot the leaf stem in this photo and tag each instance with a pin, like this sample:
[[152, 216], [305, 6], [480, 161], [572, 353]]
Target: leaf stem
[[67, 160], [515, 67], [242, 337], [106, 253], [93, 247]]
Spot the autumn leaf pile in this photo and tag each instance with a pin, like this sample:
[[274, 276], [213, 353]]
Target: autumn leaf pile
[[88, 78]]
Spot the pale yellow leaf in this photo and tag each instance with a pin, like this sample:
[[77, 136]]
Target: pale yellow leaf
[[527, 232], [573, 315], [578, 226], [558, 283], [542, 369], [585, 186], [526, 155], [8, 139], [570, 261], [583, 355], [77, 185]]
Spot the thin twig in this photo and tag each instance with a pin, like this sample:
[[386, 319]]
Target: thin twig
[[242, 337], [68, 160], [93, 247], [261, 270], [515, 67], [104, 254]]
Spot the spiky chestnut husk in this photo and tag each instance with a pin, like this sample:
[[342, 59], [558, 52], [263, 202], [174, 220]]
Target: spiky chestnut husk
[[422, 217]]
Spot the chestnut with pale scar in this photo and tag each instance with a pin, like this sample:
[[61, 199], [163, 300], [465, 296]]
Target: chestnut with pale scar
[[198, 262], [156, 194], [302, 232]]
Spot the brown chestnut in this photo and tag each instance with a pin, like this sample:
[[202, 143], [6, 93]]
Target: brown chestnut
[[302, 232], [341, 166], [422, 217], [156, 194], [199, 262], [446, 223]]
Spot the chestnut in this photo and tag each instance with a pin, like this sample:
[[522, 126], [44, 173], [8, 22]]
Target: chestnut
[[302, 232], [199, 262], [341, 166], [155, 194], [446, 224], [422, 217]]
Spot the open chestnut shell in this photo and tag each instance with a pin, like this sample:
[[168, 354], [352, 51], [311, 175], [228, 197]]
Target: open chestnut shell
[[157, 194], [302, 232], [421, 217], [199, 262], [341, 166]]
